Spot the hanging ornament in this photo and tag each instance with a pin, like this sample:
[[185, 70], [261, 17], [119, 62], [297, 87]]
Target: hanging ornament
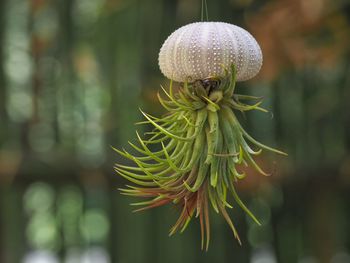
[[203, 147]]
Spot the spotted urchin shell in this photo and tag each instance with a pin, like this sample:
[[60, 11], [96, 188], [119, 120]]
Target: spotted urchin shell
[[205, 49]]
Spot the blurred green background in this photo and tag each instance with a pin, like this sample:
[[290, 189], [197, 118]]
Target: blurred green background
[[73, 74]]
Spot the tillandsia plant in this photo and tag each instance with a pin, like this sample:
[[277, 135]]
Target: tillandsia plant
[[203, 147]]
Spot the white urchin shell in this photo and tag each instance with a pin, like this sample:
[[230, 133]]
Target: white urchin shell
[[204, 49]]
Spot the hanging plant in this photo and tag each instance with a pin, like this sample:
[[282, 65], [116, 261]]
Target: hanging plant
[[202, 144]]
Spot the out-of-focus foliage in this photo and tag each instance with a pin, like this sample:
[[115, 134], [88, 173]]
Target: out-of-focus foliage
[[73, 74]]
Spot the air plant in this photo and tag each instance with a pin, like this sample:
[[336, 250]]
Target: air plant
[[202, 145]]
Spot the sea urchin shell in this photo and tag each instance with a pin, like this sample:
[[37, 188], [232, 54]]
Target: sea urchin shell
[[204, 49]]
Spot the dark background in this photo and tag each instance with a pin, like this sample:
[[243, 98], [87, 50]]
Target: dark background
[[73, 74]]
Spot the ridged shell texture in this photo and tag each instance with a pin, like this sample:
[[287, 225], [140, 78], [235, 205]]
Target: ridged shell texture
[[203, 49]]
